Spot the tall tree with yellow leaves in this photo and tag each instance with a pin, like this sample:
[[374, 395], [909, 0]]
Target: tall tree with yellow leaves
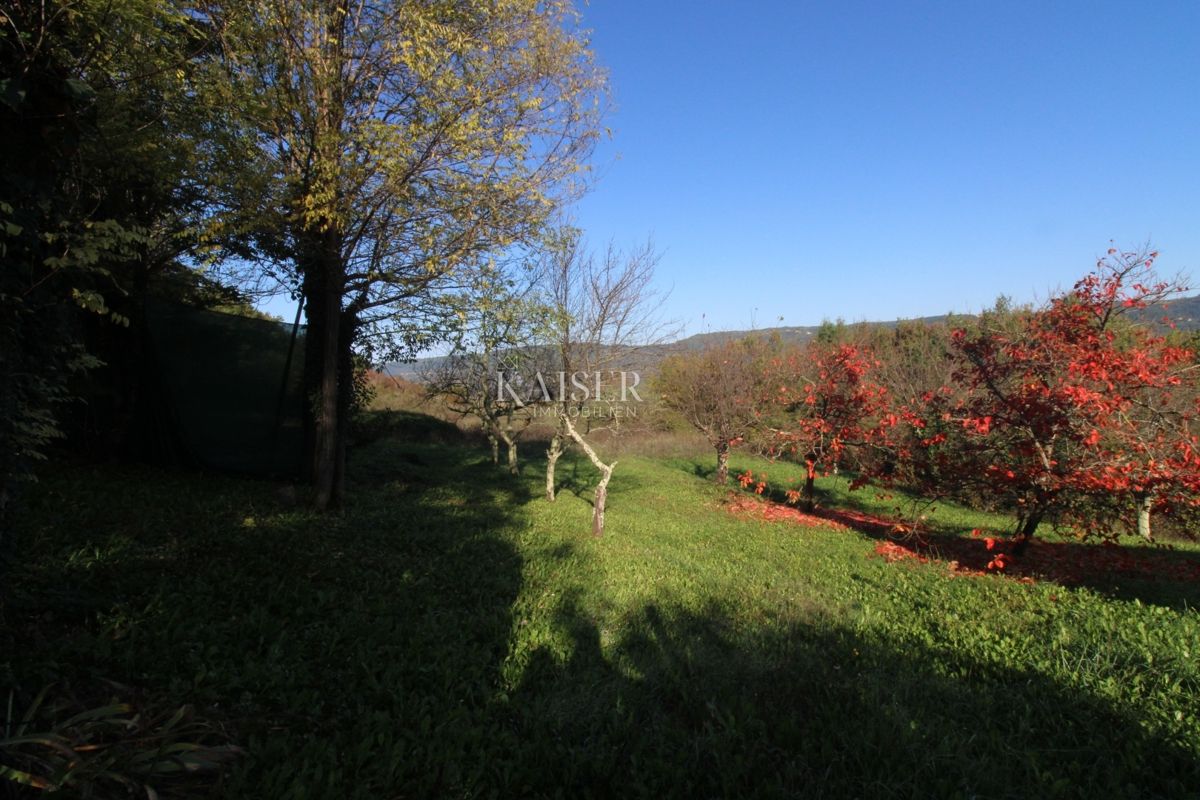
[[404, 143]]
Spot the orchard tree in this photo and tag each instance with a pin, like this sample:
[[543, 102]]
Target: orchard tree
[[495, 328], [1151, 464], [922, 372], [604, 315], [1149, 460], [402, 142], [913, 358], [721, 390], [1064, 406], [1154, 457], [830, 405]]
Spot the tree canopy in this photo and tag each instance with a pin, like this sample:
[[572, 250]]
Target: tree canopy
[[402, 143]]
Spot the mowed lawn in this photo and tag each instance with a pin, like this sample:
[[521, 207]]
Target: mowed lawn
[[452, 634]]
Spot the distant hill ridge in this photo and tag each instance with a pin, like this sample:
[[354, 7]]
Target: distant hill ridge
[[795, 334], [1184, 312]]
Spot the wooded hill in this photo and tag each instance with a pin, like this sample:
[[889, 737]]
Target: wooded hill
[[1183, 312]]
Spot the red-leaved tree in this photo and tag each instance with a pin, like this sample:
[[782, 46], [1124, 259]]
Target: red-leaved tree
[[830, 408], [1065, 412]]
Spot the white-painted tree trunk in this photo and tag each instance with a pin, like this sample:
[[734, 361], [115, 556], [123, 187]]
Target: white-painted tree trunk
[[606, 471], [555, 450], [1145, 502]]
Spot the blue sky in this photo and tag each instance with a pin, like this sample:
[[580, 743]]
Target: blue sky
[[883, 160], [872, 160]]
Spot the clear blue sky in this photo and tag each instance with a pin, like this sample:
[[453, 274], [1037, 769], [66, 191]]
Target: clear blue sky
[[899, 159], [892, 159]]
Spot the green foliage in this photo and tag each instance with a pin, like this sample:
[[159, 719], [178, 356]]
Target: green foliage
[[366, 426], [451, 634], [723, 390], [54, 254], [832, 332], [100, 165], [402, 144], [364, 391]]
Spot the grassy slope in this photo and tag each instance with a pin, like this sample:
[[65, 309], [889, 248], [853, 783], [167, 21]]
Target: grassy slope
[[452, 634]]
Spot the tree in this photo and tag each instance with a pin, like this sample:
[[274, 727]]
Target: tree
[[404, 141], [830, 407], [720, 390], [1152, 456], [495, 340], [604, 314], [74, 70], [912, 358], [1063, 406], [167, 149]]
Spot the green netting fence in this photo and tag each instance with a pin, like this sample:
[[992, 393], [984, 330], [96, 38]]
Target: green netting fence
[[235, 387]]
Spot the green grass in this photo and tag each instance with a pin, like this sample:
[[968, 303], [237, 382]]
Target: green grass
[[452, 634]]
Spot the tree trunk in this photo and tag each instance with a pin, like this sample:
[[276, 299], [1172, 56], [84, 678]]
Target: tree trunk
[[510, 440], [1145, 502], [810, 480], [606, 471], [321, 260], [1027, 530], [345, 400], [324, 278], [722, 463], [495, 443], [325, 449], [598, 505], [325, 443], [510, 444], [555, 450]]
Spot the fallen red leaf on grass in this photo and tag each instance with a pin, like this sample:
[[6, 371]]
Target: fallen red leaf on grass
[[1060, 562], [775, 512]]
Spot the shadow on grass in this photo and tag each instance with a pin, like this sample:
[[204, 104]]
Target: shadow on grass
[[380, 653], [576, 475], [704, 470], [1159, 574], [689, 703], [1147, 574], [1156, 575], [349, 653], [568, 477]]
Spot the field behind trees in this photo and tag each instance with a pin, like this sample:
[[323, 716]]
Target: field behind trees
[[450, 633]]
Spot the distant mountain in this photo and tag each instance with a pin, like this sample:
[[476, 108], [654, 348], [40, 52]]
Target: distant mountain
[[1184, 312], [411, 370], [797, 334]]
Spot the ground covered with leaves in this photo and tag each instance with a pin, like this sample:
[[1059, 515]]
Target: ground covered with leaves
[[452, 634]]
